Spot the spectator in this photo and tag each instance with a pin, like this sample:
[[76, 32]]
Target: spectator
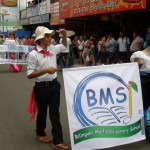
[[80, 44], [64, 55], [136, 44], [123, 47], [28, 41], [1, 39], [102, 55], [111, 45]]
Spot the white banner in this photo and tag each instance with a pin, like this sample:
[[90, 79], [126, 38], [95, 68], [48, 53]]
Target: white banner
[[104, 106], [11, 53]]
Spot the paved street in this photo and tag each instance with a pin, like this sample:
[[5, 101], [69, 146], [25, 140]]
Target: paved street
[[17, 133]]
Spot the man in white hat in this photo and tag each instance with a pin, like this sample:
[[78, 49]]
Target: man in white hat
[[41, 65]]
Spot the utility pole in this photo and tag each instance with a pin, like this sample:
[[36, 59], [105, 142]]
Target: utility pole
[[3, 21], [6, 26]]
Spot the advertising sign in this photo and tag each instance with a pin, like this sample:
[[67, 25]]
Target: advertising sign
[[4, 10], [104, 106], [55, 19], [34, 20], [54, 8], [10, 3], [77, 8], [44, 18]]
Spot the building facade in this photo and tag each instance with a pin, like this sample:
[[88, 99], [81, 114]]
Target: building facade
[[88, 16]]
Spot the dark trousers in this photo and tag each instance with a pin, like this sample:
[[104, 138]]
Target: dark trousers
[[145, 83], [47, 94], [64, 60], [123, 57]]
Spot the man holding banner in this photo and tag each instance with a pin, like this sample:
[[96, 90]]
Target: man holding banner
[[41, 65]]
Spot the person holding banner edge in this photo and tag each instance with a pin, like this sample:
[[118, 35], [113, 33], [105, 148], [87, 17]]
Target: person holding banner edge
[[41, 65], [143, 60]]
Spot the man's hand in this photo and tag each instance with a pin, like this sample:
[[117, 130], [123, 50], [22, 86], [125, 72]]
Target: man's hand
[[63, 32], [50, 70], [140, 61]]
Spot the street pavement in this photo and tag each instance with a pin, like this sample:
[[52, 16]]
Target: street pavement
[[16, 132]]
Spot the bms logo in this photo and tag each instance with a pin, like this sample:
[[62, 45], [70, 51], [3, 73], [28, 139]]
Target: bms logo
[[103, 99]]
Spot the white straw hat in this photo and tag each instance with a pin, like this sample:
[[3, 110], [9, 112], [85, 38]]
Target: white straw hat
[[41, 31], [69, 33]]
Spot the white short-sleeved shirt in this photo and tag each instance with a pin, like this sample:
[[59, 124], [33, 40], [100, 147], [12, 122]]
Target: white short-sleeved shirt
[[123, 42], [68, 45], [36, 61], [146, 65], [135, 45], [81, 44], [10, 41]]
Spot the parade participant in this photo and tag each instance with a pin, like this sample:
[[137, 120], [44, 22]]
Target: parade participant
[[143, 59], [41, 65], [11, 40]]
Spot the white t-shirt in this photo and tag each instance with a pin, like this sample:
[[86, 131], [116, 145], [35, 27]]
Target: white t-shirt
[[10, 41], [123, 42], [36, 61], [81, 44], [135, 45], [146, 65], [68, 45]]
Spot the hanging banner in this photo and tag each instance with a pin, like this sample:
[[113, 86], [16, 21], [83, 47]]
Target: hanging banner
[[104, 106], [77, 8], [11, 53], [33, 11], [44, 7]]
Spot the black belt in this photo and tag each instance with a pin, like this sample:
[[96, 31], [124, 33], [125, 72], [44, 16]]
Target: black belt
[[45, 83]]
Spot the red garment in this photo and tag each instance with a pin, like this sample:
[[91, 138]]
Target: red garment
[[44, 52], [28, 42], [32, 106], [15, 68], [12, 56]]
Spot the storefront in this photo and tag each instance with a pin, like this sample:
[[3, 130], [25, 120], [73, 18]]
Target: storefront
[[105, 16]]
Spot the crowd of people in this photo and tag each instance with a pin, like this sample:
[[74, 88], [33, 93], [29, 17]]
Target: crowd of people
[[107, 49], [23, 40]]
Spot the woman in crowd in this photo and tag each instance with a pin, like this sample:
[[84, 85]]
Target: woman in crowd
[[80, 44], [143, 59], [102, 50]]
